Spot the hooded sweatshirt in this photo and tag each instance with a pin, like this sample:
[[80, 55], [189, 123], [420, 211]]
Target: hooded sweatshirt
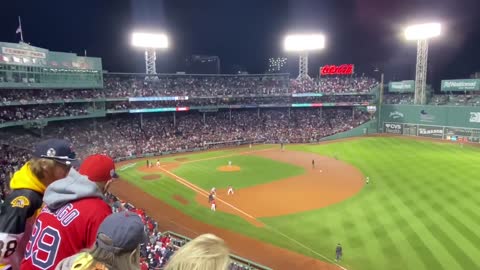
[[74, 209]]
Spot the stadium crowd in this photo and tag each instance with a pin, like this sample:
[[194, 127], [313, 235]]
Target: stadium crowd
[[22, 113], [334, 85], [124, 136], [116, 86]]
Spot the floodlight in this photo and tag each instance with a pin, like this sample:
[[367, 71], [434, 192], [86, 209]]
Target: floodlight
[[150, 40], [304, 43], [423, 31]]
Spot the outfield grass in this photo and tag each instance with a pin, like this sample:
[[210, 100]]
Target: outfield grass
[[418, 212]]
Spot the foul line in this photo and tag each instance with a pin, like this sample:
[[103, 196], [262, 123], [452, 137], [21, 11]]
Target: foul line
[[205, 194]]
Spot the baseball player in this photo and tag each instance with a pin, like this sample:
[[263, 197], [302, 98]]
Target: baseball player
[[210, 198], [52, 160], [338, 253], [367, 180], [229, 163], [313, 163], [213, 205], [230, 190], [74, 209], [213, 191], [158, 163]]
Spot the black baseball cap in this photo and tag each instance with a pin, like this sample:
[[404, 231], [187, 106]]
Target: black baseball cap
[[57, 149]]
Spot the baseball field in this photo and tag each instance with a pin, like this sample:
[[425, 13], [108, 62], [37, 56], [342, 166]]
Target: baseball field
[[418, 211]]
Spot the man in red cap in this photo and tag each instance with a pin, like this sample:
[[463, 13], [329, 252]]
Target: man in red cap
[[74, 209]]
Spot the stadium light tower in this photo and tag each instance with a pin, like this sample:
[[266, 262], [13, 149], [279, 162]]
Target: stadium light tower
[[150, 42], [422, 33], [303, 44]]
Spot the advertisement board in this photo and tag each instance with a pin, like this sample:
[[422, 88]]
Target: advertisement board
[[402, 86], [393, 128], [345, 69], [430, 131], [460, 85]]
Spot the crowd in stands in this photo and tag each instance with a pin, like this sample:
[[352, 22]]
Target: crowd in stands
[[334, 85], [456, 100], [124, 136], [127, 86], [444, 99], [11, 158], [398, 98], [116, 86], [35, 112]]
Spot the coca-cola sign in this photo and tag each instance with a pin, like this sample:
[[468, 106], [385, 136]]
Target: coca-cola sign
[[345, 69]]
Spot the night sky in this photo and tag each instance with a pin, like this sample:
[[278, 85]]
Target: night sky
[[245, 33]]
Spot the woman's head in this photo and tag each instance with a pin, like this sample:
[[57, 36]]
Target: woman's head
[[206, 252], [118, 241]]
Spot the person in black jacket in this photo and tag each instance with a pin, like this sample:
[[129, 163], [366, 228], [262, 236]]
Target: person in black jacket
[[52, 160]]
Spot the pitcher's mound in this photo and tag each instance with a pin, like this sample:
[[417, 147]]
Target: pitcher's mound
[[231, 168], [151, 177]]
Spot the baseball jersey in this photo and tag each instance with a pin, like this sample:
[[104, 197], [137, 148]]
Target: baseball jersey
[[64, 232], [16, 217]]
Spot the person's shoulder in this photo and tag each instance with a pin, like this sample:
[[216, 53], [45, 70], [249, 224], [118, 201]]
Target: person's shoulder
[[92, 204]]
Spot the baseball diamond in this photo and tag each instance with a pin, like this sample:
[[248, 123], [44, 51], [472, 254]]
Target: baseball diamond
[[391, 219]]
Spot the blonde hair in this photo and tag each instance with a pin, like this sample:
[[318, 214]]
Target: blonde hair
[[85, 261], [206, 252], [38, 166], [128, 260]]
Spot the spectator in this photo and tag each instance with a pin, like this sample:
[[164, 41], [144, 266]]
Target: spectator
[[52, 161], [74, 209], [204, 252], [116, 246]]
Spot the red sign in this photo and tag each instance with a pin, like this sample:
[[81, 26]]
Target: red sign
[[346, 69]]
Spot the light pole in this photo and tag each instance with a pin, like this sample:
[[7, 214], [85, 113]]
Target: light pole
[[303, 44], [150, 42], [422, 33]]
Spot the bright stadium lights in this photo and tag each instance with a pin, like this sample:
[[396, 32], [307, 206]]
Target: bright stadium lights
[[150, 42], [303, 44], [423, 31]]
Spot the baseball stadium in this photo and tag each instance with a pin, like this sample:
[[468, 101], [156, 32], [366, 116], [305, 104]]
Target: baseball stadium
[[344, 170]]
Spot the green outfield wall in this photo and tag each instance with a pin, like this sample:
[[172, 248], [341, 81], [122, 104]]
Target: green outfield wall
[[459, 123], [455, 116]]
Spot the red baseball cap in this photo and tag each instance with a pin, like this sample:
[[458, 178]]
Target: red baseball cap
[[98, 168]]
